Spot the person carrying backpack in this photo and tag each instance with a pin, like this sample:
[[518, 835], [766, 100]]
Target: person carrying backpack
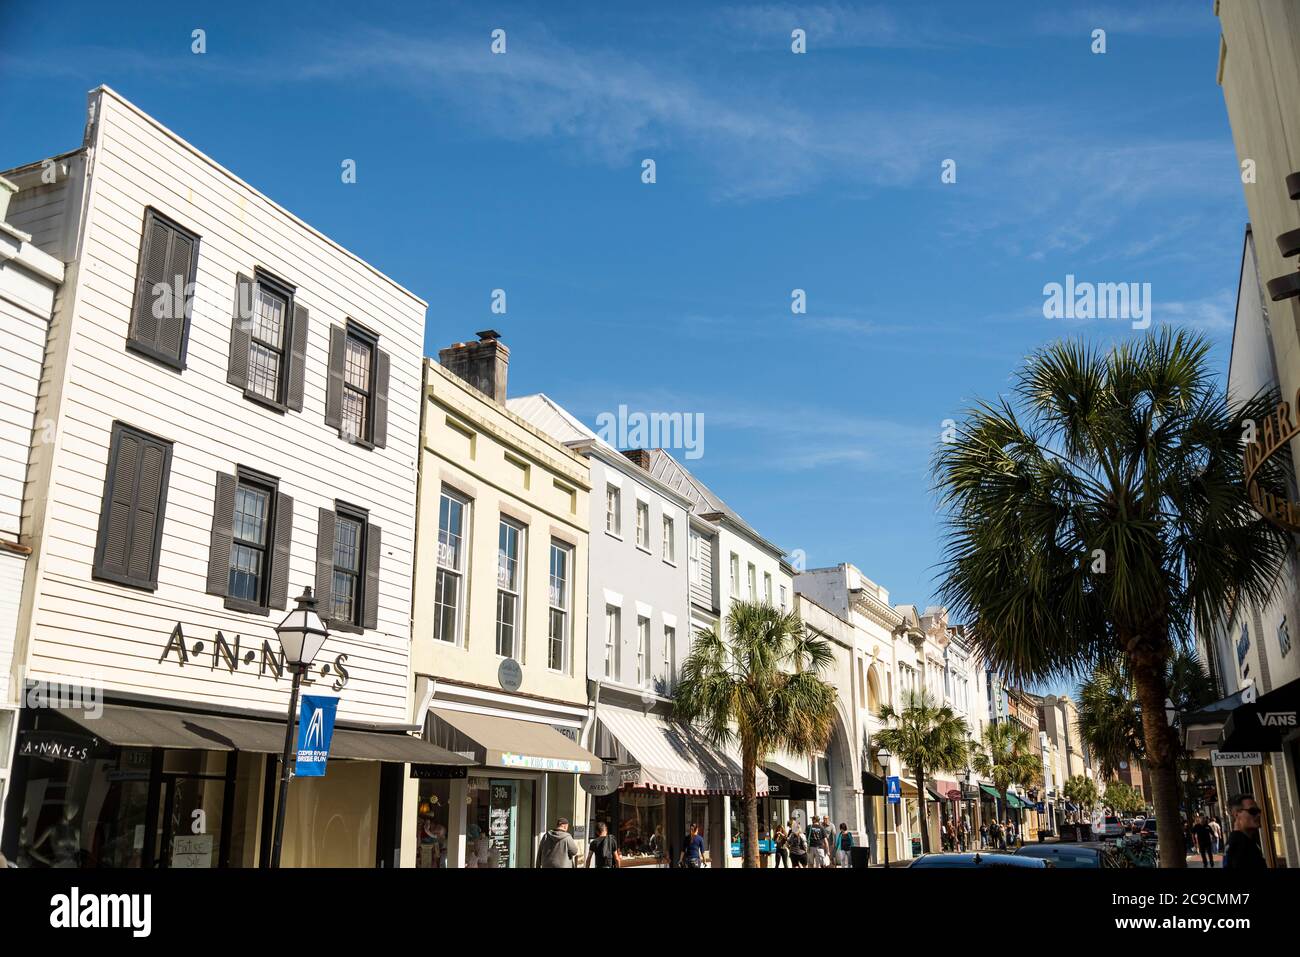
[[818, 845], [603, 849]]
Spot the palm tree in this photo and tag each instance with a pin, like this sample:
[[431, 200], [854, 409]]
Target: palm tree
[[1005, 757], [1100, 514], [1110, 718], [760, 684], [1082, 792], [925, 737]]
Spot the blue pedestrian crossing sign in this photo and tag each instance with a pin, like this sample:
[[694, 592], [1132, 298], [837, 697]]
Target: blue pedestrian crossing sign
[[893, 789]]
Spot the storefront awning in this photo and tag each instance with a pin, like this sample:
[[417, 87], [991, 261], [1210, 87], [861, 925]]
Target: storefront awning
[[499, 742], [667, 755], [1263, 724], [873, 785], [1203, 728], [787, 766], [131, 727], [991, 791]]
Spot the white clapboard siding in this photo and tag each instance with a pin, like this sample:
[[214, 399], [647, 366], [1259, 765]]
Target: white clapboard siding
[[702, 591], [11, 589], [114, 634], [39, 211]]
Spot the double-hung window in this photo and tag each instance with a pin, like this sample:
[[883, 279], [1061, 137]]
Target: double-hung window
[[248, 559], [767, 587], [753, 584], [449, 586], [670, 644], [612, 616], [643, 525], [510, 571], [670, 541], [347, 568], [697, 569], [642, 650], [356, 398], [735, 575], [560, 598], [613, 509]]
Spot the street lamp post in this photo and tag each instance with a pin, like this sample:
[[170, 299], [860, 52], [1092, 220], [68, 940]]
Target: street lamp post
[[883, 757], [301, 634], [974, 800]]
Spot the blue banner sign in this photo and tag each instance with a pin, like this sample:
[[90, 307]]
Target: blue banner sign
[[315, 732], [893, 789]]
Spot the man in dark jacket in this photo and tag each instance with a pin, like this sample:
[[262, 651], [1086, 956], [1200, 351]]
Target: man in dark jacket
[[557, 847], [1242, 852]]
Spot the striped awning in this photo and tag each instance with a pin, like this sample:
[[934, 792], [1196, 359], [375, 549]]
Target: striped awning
[[659, 754]]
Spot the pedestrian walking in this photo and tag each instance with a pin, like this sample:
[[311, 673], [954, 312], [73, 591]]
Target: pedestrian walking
[[781, 847], [1216, 832], [984, 835], [818, 845], [557, 847], [603, 850], [1242, 852], [692, 849], [844, 845], [1204, 838], [798, 847]]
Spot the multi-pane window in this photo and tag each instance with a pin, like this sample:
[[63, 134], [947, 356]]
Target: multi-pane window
[[670, 541], [753, 583], [670, 643], [643, 525], [349, 565], [642, 650], [449, 586], [612, 616], [735, 575], [558, 626], [782, 596], [358, 360], [697, 570], [266, 346], [250, 546], [767, 588], [509, 579], [613, 510]]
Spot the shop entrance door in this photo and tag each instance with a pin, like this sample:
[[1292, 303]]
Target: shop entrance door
[[190, 829]]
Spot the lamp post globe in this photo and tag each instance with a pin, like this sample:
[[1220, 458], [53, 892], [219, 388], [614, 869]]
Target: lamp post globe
[[302, 634]]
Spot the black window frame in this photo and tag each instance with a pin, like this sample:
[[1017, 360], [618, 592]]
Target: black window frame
[[351, 513], [178, 363], [354, 330], [98, 571], [271, 485], [287, 292]]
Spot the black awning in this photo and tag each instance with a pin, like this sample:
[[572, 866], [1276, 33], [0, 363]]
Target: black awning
[[780, 786], [872, 785], [1265, 723]]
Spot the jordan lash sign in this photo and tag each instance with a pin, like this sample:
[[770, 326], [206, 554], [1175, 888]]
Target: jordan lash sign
[[1271, 437], [230, 655]]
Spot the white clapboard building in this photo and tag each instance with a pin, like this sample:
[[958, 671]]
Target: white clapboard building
[[230, 405]]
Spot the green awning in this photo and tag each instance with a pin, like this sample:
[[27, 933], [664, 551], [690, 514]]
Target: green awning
[[1010, 800]]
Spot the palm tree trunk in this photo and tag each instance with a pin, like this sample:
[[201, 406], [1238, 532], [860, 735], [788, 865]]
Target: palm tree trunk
[[920, 803], [1161, 756], [749, 804]]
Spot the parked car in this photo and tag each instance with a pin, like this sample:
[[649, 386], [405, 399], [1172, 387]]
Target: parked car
[[1113, 827], [1147, 828], [1093, 854], [978, 859]]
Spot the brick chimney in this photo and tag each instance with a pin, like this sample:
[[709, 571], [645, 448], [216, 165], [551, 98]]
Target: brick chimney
[[482, 364], [640, 456]]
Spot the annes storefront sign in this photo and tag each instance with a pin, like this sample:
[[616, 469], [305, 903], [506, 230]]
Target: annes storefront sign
[[234, 657], [1268, 440]]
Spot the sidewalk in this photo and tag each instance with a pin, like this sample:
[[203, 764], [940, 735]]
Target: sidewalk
[[1194, 860]]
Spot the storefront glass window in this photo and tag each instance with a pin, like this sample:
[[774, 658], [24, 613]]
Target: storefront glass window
[[500, 823], [432, 818]]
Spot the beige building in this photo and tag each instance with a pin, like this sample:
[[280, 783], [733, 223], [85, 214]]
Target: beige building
[[500, 631], [1251, 656]]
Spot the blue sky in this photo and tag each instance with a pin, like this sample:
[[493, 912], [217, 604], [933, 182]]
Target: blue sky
[[775, 172]]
